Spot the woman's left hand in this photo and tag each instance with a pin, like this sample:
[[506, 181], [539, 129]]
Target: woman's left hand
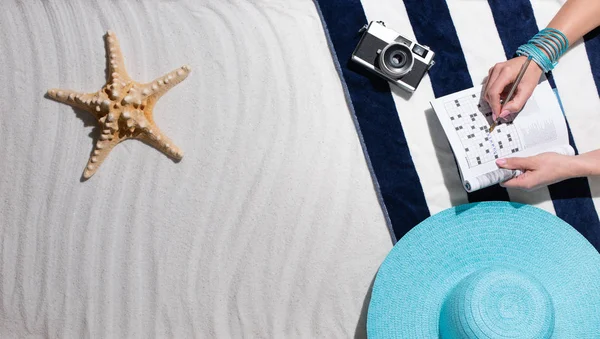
[[538, 171]]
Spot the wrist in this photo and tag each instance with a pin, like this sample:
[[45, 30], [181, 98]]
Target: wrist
[[584, 165], [535, 69], [545, 48]]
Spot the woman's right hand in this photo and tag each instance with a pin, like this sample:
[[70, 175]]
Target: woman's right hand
[[500, 79]]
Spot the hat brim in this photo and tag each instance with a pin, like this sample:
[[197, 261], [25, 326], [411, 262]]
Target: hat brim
[[435, 255]]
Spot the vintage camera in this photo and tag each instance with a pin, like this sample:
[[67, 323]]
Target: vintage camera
[[392, 56]]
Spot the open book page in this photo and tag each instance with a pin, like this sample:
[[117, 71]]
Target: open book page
[[539, 127]]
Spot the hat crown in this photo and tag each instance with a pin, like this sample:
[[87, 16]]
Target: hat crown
[[497, 302]]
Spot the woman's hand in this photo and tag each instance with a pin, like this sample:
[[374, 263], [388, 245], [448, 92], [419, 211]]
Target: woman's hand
[[540, 170], [499, 80]]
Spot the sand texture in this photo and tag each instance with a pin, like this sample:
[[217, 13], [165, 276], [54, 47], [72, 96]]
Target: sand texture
[[268, 227]]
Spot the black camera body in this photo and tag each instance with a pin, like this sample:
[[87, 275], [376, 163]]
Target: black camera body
[[397, 59]]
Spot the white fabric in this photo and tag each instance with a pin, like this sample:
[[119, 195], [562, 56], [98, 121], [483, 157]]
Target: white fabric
[[268, 227], [482, 48]]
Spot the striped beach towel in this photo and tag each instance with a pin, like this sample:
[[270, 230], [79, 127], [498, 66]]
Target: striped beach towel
[[411, 162]]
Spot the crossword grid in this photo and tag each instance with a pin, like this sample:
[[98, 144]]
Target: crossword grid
[[471, 120]]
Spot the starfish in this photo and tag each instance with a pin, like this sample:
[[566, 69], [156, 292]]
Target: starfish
[[123, 107]]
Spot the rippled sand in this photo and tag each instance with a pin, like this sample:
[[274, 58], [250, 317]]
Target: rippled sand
[[268, 227]]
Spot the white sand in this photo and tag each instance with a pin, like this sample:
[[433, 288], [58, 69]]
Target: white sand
[[268, 227]]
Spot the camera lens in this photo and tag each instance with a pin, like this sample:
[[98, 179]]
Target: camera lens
[[396, 60]]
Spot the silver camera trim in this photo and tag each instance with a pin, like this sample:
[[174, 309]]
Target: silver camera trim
[[384, 66], [373, 68]]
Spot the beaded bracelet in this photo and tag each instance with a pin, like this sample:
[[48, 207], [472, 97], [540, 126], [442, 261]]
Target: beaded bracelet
[[549, 40]]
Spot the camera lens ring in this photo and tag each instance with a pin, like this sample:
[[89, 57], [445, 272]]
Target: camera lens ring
[[396, 59]]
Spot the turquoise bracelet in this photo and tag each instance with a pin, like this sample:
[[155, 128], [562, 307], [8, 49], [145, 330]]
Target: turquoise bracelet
[[545, 48]]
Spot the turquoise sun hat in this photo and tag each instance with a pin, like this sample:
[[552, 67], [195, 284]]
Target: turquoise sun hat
[[488, 270]]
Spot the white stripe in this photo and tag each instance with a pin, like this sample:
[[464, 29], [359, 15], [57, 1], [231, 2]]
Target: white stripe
[[577, 89], [428, 145], [478, 36], [429, 148], [483, 48]]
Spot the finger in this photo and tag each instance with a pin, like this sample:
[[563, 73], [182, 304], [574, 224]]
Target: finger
[[516, 163], [492, 75], [527, 181], [487, 80], [511, 183], [515, 182], [506, 117], [523, 94], [495, 90]]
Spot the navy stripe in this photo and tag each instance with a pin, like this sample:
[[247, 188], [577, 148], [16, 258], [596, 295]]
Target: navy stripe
[[377, 120], [571, 198], [433, 26], [592, 47]]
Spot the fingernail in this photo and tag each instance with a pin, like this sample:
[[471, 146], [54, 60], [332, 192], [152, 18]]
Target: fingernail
[[501, 162], [504, 113]]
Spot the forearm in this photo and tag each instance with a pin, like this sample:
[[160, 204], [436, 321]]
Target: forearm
[[576, 18], [587, 164]]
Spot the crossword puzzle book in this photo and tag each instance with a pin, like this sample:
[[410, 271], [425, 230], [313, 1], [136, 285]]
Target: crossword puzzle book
[[539, 127]]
